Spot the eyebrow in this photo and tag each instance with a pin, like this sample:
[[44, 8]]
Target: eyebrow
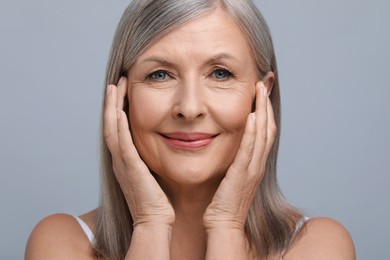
[[222, 56], [213, 59], [157, 60]]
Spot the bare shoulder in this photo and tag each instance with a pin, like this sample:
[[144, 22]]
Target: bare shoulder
[[58, 236], [322, 238]]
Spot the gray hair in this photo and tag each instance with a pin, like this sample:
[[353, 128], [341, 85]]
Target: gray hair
[[271, 220]]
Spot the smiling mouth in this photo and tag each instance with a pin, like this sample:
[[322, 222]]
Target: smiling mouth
[[188, 141]]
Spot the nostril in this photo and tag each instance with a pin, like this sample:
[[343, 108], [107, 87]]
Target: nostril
[[180, 115], [188, 111], [189, 116]]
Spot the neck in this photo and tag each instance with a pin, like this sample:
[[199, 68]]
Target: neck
[[189, 202]]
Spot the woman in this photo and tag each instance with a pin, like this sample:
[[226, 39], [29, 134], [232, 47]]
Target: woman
[[190, 140]]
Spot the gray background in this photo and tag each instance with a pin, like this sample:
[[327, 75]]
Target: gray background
[[333, 60]]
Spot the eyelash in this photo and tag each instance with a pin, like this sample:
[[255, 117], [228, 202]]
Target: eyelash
[[229, 74], [152, 75]]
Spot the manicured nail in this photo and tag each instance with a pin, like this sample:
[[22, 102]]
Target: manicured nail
[[108, 89]]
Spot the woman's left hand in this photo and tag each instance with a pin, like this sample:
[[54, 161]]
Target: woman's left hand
[[229, 207]]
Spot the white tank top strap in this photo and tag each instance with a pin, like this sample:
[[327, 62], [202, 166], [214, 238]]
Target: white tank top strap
[[298, 228], [88, 232], [86, 229]]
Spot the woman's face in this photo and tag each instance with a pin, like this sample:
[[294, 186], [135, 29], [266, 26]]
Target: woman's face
[[189, 96]]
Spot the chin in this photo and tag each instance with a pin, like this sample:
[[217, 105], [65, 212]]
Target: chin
[[192, 176]]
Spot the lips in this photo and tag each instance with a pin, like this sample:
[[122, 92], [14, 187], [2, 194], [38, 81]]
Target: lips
[[188, 141]]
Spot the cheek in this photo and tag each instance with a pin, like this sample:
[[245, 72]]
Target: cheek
[[146, 109], [231, 111]]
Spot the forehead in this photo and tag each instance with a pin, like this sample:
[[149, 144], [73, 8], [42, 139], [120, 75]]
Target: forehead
[[212, 32]]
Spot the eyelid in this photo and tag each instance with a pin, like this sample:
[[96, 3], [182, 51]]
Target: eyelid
[[148, 76], [219, 67]]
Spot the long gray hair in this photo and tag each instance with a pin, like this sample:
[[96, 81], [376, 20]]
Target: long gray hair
[[271, 219]]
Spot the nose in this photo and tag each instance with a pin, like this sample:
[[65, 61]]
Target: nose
[[189, 101]]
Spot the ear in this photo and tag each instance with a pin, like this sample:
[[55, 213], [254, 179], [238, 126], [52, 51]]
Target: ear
[[268, 81]]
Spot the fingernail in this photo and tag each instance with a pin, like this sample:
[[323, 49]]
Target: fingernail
[[118, 114], [259, 85], [265, 91], [253, 117], [108, 89], [120, 80]]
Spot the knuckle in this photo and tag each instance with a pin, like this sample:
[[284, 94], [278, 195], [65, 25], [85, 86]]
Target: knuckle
[[130, 159], [125, 154], [234, 167], [107, 135], [273, 130], [248, 150], [264, 136]]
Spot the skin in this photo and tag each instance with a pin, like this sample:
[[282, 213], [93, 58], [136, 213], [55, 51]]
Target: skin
[[195, 205]]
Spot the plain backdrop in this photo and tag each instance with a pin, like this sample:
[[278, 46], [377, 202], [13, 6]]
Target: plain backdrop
[[333, 61]]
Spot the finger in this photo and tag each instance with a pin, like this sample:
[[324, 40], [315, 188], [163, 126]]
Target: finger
[[245, 151], [122, 90], [126, 146], [271, 127], [110, 119], [261, 123]]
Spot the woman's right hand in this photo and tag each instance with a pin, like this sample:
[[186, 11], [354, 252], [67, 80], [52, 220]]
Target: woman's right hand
[[148, 204]]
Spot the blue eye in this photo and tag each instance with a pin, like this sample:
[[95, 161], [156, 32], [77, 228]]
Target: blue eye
[[159, 75], [221, 74]]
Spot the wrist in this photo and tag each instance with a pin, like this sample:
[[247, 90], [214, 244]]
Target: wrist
[[153, 228], [154, 222], [223, 225]]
